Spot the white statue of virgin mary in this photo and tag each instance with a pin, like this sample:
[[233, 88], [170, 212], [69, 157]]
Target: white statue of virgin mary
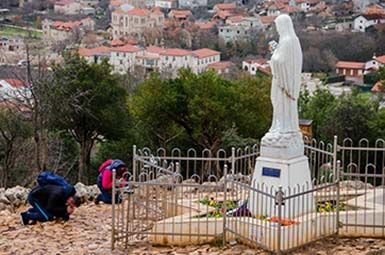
[[286, 66]]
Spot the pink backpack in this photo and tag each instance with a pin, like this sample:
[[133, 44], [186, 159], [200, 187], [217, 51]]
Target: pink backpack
[[104, 165]]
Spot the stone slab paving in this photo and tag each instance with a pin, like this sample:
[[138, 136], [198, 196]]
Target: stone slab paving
[[88, 232]]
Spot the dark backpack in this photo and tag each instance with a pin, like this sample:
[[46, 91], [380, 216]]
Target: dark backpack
[[48, 177]]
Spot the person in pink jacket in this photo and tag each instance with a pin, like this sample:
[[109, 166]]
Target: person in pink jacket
[[104, 180]]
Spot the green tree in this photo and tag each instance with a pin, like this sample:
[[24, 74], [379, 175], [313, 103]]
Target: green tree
[[317, 107], [350, 117], [14, 130], [89, 103], [377, 125], [200, 109]]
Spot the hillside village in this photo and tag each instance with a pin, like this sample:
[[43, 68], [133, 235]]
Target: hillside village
[[139, 37], [157, 82]]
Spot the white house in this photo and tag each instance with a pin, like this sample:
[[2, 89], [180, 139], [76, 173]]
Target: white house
[[239, 28], [68, 7], [374, 64], [123, 58], [202, 58], [14, 89], [170, 60], [362, 22], [96, 55], [166, 4], [254, 65]]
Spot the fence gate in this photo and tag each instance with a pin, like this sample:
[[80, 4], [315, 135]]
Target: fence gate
[[362, 187]]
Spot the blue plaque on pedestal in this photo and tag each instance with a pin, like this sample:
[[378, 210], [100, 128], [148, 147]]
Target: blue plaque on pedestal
[[271, 172]]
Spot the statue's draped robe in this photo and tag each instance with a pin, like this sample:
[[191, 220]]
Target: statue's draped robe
[[286, 65]]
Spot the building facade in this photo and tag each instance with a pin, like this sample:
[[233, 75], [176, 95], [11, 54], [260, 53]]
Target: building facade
[[133, 22]]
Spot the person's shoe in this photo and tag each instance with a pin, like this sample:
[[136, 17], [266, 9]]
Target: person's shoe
[[23, 219]]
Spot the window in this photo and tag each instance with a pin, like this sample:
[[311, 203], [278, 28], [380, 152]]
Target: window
[[121, 62], [117, 54], [238, 32], [143, 21], [221, 30], [185, 58], [166, 58], [173, 59], [228, 31]]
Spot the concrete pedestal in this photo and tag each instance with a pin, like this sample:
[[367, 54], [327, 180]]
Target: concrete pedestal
[[293, 175]]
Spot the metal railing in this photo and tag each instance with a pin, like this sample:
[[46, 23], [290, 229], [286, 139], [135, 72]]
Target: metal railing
[[191, 198]]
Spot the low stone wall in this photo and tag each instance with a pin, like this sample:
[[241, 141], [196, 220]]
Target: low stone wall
[[17, 196]]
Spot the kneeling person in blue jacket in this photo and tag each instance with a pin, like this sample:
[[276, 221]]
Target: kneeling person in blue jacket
[[50, 202]]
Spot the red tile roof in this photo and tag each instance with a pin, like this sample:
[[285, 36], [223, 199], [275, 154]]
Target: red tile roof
[[16, 83], [204, 53], [226, 6], [126, 48], [154, 49], [180, 13], [206, 26], [117, 42], [379, 86], [223, 14], [115, 3], [84, 52], [221, 65], [350, 65], [175, 52], [69, 25], [267, 19], [381, 59]]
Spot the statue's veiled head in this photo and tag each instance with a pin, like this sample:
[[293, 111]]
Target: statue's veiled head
[[284, 26]]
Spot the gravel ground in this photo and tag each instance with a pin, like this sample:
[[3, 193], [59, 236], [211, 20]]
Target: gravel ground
[[88, 232]]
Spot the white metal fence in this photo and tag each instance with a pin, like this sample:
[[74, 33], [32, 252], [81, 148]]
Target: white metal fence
[[186, 198]]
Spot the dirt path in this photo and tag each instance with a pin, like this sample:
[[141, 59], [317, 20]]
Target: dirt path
[[88, 232]]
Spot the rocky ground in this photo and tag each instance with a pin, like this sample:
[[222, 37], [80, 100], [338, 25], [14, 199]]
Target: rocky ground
[[88, 232]]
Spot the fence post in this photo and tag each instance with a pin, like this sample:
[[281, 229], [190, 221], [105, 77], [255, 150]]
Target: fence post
[[338, 199], [279, 203], [113, 209], [232, 160], [335, 150], [134, 162], [224, 205]]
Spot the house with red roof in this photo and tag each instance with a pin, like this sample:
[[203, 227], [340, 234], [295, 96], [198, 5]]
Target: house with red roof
[[55, 31], [180, 15], [222, 67], [379, 87], [126, 58], [230, 7], [134, 21], [14, 89], [256, 65], [123, 58], [351, 70], [96, 55], [366, 20], [374, 64]]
